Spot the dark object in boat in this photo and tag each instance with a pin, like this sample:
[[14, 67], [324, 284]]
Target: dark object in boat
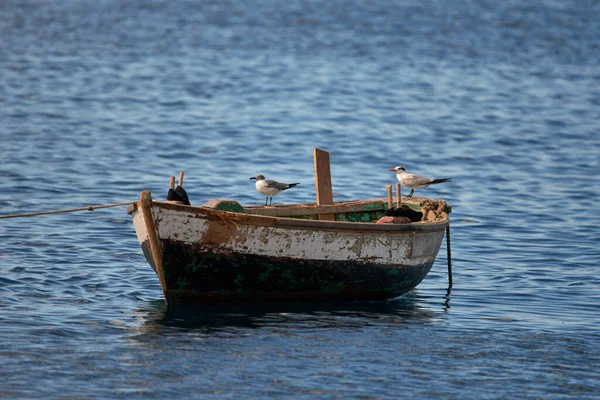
[[405, 211], [179, 194]]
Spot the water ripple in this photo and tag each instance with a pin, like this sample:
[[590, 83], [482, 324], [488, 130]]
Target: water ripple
[[100, 101]]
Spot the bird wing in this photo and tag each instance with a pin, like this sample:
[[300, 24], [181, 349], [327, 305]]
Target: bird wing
[[276, 185], [414, 180]]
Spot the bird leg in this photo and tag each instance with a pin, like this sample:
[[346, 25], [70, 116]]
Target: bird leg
[[267, 199], [271, 202], [411, 192]]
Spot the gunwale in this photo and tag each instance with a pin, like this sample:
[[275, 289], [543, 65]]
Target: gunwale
[[256, 219]]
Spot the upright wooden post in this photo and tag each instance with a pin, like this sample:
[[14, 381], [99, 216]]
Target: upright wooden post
[[388, 187], [146, 208], [181, 179], [172, 183], [323, 181], [398, 195]]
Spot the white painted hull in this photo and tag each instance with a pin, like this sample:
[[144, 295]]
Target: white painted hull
[[316, 259]]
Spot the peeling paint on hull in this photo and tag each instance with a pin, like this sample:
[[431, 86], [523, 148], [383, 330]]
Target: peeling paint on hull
[[212, 256], [194, 276]]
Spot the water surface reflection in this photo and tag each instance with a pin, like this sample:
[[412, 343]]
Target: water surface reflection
[[411, 309]]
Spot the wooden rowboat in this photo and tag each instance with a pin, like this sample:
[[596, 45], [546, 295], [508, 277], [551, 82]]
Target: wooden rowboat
[[224, 253]]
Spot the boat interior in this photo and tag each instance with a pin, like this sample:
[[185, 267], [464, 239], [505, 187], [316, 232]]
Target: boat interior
[[414, 210]]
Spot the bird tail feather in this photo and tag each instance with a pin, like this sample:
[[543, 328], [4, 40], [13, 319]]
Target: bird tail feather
[[441, 180]]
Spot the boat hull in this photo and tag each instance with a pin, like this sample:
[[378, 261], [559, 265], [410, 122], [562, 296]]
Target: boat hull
[[209, 276], [219, 257]]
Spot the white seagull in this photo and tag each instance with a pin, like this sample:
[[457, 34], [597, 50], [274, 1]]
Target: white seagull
[[414, 181], [270, 188]]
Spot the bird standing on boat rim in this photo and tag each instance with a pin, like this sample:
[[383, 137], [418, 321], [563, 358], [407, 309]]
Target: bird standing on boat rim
[[414, 181], [271, 188]]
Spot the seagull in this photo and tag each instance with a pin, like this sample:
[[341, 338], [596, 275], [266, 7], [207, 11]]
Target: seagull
[[270, 188], [414, 181]]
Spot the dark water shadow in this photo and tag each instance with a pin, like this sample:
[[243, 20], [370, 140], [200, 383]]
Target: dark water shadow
[[410, 309]]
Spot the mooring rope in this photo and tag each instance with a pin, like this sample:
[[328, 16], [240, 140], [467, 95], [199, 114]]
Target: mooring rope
[[88, 208], [449, 252]]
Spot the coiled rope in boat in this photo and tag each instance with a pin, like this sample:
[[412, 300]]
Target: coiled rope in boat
[[88, 208]]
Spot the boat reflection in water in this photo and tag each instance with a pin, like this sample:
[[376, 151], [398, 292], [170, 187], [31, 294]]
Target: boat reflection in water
[[413, 308]]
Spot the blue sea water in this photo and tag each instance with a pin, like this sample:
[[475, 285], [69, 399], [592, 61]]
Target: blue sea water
[[102, 99]]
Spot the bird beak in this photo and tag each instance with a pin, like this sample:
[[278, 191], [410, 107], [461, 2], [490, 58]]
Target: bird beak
[[252, 178], [392, 170]]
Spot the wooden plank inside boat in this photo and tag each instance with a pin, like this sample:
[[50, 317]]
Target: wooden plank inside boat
[[294, 210]]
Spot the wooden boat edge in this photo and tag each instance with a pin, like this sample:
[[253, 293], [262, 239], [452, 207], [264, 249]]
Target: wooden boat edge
[[254, 218]]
